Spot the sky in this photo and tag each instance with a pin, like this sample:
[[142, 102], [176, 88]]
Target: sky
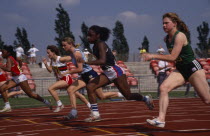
[[139, 17]]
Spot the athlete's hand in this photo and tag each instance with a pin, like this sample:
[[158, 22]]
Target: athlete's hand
[[147, 56], [44, 60]]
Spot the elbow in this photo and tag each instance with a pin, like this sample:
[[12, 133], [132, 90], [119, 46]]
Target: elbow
[[80, 70], [173, 58]]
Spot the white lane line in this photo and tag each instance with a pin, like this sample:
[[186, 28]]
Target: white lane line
[[103, 119], [124, 124], [29, 134]]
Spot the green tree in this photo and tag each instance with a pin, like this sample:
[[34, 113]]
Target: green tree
[[1, 43], [120, 43], [62, 27], [83, 38], [203, 50], [22, 39], [145, 43]]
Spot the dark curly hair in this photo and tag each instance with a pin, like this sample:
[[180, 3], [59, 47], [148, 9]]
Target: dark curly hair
[[10, 50], [54, 49]]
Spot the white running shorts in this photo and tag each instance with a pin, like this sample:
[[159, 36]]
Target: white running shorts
[[20, 78]]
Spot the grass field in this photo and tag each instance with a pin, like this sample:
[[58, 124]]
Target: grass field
[[26, 102]]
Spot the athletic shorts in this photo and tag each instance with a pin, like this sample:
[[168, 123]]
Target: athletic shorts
[[88, 75], [67, 78], [20, 78], [114, 72], [32, 55], [188, 69], [2, 77]]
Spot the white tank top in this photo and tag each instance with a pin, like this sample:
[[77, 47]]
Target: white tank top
[[58, 67]]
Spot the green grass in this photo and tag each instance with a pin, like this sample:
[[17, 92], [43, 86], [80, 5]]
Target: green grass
[[26, 102]]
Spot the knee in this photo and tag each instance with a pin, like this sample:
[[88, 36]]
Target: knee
[[164, 89], [3, 89], [50, 89], [70, 92], [102, 97]]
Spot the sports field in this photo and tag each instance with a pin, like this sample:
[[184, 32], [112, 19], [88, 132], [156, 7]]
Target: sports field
[[186, 117]]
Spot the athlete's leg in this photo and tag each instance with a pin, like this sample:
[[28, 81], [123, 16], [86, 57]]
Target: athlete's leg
[[26, 88], [55, 86], [14, 93], [72, 91], [52, 89], [122, 84], [105, 95], [174, 80], [83, 99], [200, 84], [94, 84], [7, 85]]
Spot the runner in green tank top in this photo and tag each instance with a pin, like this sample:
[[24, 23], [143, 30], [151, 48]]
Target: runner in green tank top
[[187, 67], [186, 55]]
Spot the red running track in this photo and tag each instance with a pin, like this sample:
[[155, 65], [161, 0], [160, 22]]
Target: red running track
[[186, 117]]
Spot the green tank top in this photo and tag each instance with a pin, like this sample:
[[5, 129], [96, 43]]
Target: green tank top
[[186, 55]]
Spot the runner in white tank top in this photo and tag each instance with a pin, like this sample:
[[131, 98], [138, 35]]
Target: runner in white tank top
[[58, 66]]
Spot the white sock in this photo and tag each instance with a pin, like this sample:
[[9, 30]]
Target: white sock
[[59, 103], [7, 104], [94, 108], [88, 105], [119, 94]]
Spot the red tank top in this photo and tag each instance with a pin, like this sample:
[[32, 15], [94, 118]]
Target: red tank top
[[15, 69], [2, 77]]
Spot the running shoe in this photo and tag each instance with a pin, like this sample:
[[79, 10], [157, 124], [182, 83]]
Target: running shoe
[[149, 102], [93, 119], [156, 123], [6, 109], [71, 115], [59, 108]]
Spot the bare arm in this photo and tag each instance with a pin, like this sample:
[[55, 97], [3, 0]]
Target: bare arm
[[180, 41], [8, 65], [49, 68], [79, 67], [65, 59], [102, 55]]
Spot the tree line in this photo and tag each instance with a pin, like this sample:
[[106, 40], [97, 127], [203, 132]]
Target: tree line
[[119, 43]]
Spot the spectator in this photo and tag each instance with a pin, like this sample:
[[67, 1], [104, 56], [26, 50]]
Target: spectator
[[1, 59], [115, 54], [32, 55], [142, 51], [86, 53], [162, 70], [19, 51]]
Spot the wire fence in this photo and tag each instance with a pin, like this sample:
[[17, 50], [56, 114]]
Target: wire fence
[[144, 84]]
